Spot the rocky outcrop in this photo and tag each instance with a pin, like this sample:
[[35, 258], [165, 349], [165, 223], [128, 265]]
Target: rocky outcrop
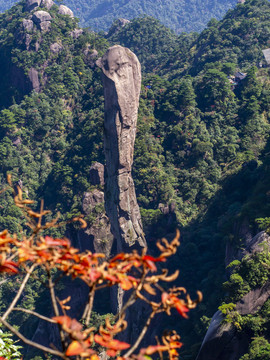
[[254, 300], [122, 84], [64, 10], [222, 340], [76, 33], [33, 76], [96, 174], [28, 25], [47, 4], [90, 56], [56, 48], [42, 19], [99, 231], [117, 25], [32, 4]]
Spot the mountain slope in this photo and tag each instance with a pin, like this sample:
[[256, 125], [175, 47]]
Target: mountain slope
[[199, 152], [180, 16]]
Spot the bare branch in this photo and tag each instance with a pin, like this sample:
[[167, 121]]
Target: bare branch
[[32, 343], [53, 297], [55, 307], [19, 293], [89, 307], [35, 314], [137, 343]]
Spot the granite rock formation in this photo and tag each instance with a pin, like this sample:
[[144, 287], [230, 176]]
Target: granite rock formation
[[64, 10], [33, 76], [117, 25], [99, 231], [76, 33], [42, 19], [222, 340], [56, 47], [96, 174], [32, 4], [47, 3], [122, 84]]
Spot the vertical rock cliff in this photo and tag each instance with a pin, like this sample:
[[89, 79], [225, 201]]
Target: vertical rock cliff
[[122, 84]]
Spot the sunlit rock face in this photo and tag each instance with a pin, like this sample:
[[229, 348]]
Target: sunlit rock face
[[122, 84], [64, 10]]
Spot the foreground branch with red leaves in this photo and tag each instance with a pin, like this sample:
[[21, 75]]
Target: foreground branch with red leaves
[[133, 272]]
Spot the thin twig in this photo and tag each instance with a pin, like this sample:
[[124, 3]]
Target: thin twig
[[132, 297], [55, 308], [32, 343], [35, 314], [52, 292], [90, 305], [3, 281], [19, 293], [141, 336], [129, 302]]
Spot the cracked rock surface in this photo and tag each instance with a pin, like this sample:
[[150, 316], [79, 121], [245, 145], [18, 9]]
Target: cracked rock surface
[[122, 84]]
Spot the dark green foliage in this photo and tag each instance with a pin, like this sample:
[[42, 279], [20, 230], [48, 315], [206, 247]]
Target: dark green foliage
[[179, 16], [152, 42], [258, 350]]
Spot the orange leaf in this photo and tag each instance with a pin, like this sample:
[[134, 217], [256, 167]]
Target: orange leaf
[[182, 309], [164, 297], [152, 349], [94, 357], [151, 258], [9, 267], [56, 242], [111, 344], [63, 320], [75, 348], [175, 344], [149, 289], [151, 265], [125, 284]]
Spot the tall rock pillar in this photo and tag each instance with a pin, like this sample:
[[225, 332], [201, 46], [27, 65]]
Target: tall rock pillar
[[122, 85]]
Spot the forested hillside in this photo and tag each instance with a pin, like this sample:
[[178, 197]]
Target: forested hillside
[[177, 15], [201, 154]]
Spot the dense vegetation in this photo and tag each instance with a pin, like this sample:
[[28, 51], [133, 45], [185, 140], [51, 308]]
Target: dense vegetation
[[178, 15], [202, 147]]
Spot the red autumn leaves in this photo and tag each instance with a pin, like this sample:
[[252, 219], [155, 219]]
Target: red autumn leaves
[[6, 263], [134, 272]]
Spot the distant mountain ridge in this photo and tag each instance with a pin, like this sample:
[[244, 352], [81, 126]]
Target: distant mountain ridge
[[184, 15]]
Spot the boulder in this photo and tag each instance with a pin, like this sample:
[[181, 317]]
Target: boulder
[[56, 48], [90, 56], [28, 25], [64, 10], [122, 85], [76, 33], [32, 4], [42, 19], [47, 4], [96, 174], [254, 300], [91, 199]]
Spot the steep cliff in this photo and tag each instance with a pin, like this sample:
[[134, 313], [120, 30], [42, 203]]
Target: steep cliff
[[122, 84]]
